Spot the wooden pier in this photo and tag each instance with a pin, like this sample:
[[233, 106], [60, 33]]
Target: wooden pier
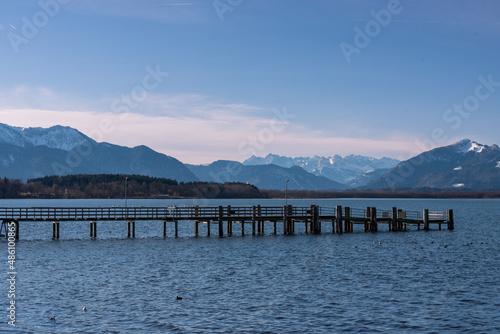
[[288, 217]]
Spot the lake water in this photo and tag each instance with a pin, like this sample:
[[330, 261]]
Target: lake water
[[387, 282]]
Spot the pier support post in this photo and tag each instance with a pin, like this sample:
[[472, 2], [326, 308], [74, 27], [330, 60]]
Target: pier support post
[[449, 219], [254, 215], [55, 230], [208, 227], [221, 221], [338, 218], [373, 220], [426, 219], [368, 214], [394, 219], [243, 227], [229, 221], [93, 229], [315, 219], [176, 227], [164, 228], [285, 220], [347, 223], [196, 222], [131, 229]]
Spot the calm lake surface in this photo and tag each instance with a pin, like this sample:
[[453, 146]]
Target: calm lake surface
[[387, 282]]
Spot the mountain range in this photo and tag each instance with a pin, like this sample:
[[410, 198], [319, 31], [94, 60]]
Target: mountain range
[[35, 152], [342, 170]]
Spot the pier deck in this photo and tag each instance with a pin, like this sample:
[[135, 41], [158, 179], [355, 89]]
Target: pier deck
[[342, 219]]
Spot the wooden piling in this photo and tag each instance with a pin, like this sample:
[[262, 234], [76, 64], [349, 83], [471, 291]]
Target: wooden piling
[[394, 219], [55, 230], [449, 219], [347, 223], [285, 220], [165, 229], [368, 214], [196, 222], [242, 227], [254, 216], [426, 219], [315, 219], [338, 218], [93, 229], [373, 220], [229, 221], [176, 228], [208, 227], [221, 221]]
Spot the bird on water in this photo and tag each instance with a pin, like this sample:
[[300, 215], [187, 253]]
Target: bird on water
[[52, 318], [178, 298], [84, 309]]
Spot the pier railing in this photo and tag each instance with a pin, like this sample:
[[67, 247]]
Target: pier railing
[[342, 219]]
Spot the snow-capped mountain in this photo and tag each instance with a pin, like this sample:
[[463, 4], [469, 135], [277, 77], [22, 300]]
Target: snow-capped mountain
[[35, 152], [60, 137], [463, 165], [336, 168]]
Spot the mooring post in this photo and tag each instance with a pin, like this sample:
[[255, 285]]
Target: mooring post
[[176, 227], [285, 219], [449, 219], [229, 222], [131, 229], [368, 215], [338, 218], [316, 221], [347, 222], [93, 229], [165, 229], [128, 229], [208, 227], [373, 219], [221, 221], [242, 227], [55, 230], [311, 219], [394, 218], [254, 215], [426, 219], [259, 222], [196, 222]]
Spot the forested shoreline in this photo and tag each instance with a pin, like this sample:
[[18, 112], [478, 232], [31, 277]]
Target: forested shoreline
[[139, 186], [120, 186]]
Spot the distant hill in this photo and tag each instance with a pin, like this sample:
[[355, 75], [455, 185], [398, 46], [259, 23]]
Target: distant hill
[[465, 165], [115, 186], [342, 170], [263, 176], [35, 152]]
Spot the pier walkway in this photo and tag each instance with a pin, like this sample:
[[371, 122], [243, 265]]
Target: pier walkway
[[288, 217]]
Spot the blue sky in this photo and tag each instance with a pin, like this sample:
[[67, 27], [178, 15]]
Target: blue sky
[[297, 78]]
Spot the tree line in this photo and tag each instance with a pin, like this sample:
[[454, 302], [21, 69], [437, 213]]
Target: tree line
[[119, 186], [140, 186]]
